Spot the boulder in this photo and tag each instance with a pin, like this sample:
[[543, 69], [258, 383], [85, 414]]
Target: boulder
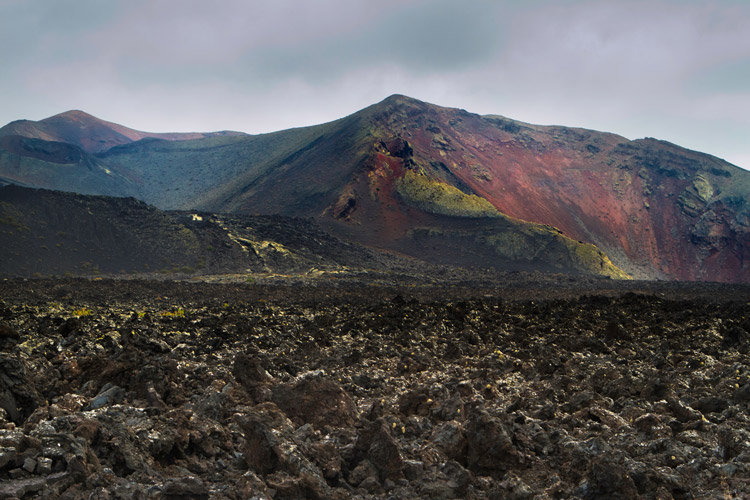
[[315, 399]]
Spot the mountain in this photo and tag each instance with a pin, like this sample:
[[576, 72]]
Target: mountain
[[446, 186], [60, 153], [89, 132], [656, 209]]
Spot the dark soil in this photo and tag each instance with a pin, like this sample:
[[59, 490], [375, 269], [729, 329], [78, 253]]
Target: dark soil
[[166, 390]]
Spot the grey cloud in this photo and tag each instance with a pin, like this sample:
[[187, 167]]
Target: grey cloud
[[442, 36], [631, 67]]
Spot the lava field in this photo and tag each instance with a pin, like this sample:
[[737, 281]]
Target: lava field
[[167, 390]]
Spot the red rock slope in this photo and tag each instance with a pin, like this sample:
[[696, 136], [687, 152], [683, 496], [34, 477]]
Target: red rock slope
[[656, 209]]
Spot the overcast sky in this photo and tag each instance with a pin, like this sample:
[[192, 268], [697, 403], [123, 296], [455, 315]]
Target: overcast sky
[[673, 69]]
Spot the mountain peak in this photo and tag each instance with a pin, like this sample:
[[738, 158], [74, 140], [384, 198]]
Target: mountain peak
[[401, 100], [73, 114], [398, 98]]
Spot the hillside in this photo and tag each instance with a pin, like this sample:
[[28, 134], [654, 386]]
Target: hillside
[[52, 233], [446, 186], [61, 166]]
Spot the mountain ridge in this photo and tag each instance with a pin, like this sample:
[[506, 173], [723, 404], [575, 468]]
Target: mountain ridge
[[90, 133], [401, 174]]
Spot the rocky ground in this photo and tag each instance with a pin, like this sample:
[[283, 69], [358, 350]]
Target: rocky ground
[[166, 390]]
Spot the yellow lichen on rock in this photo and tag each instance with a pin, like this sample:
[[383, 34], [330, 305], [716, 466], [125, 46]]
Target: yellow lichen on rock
[[433, 196]]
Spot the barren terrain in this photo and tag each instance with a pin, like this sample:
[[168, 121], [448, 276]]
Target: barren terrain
[[587, 389]]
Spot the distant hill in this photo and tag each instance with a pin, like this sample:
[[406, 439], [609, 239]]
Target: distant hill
[[58, 165], [443, 185], [89, 132]]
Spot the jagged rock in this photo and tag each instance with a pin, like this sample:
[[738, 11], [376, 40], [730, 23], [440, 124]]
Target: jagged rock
[[153, 398], [19, 488], [742, 393], [607, 417], [377, 445], [711, 404], [86, 429], [512, 488], [18, 397], [489, 446], [364, 469], [735, 336], [608, 480], [451, 408], [251, 486], [269, 449], [44, 466], [29, 465], [647, 422], [615, 331], [7, 457], [261, 447], [249, 371], [415, 402], [413, 469], [327, 458], [683, 412], [188, 488], [69, 327], [8, 336], [317, 400], [451, 439], [109, 395], [67, 404], [459, 479], [544, 412]]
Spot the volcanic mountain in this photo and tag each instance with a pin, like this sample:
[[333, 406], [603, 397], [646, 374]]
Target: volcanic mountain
[[443, 185]]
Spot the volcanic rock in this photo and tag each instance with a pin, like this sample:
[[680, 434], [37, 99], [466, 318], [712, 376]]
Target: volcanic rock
[[317, 400], [188, 488], [18, 397], [376, 444], [532, 406]]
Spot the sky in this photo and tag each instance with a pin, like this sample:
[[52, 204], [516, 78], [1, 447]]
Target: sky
[[677, 70]]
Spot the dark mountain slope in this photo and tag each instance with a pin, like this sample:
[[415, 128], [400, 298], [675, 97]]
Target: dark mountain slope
[[60, 153], [309, 171], [54, 233], [223, 171], [57, 165], [49, 232]]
